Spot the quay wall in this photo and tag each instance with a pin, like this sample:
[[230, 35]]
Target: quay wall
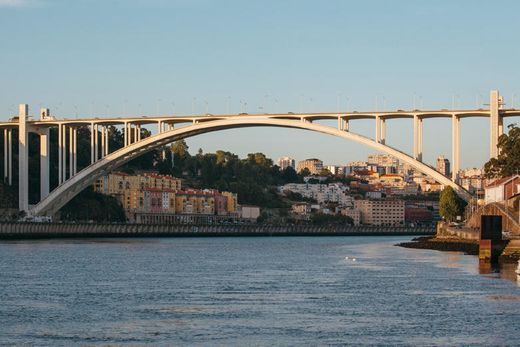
[[12, 230]]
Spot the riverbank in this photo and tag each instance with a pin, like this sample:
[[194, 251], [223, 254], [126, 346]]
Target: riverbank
[[448, 245], [17, 231]]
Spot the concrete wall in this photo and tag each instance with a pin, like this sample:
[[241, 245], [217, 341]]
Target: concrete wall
[[52, 230]]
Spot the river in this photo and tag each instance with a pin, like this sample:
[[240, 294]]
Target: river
[[260, 291]]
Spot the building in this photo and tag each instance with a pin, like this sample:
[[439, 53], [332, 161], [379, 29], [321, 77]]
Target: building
[[443, 166], [352, 213], [381, 212], [472, 180], [250, 212], [313, 165], [301, 208], [503, 189], [285, 162], [322, 193], [153, 198], [117, 182], [383, 160]]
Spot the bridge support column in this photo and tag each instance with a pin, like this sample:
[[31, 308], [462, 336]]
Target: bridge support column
[[75, 150], [455, 147], [138, 133], [345, 124], [382, 131], [91, 143], [44, 163], [64, 154], [23, 158], [106, 141], [71, 151], [103, 139], [495, 123], [96, 143], [417, 137], [60, 153], [8, 157]]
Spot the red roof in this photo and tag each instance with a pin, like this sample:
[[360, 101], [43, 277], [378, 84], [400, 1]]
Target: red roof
[[502, 181]]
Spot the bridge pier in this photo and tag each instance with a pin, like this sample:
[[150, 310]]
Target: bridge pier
[[23, 158], [417, 138], [44, 162], [8, 156], [496, 126], [380, 129], [455, 147]]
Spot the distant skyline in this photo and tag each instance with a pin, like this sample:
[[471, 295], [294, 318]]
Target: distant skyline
[[94, 58]]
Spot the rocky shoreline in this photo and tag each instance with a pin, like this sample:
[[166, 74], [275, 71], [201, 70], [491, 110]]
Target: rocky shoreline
[[430, 242]]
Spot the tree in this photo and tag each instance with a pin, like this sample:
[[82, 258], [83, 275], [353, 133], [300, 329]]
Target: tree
[[507, 163], [180, 149], [450, 205]]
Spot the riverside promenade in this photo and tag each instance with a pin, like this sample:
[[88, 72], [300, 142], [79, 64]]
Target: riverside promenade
[[18, 231]]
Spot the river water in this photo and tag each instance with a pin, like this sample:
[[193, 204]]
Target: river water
[[282, 291]]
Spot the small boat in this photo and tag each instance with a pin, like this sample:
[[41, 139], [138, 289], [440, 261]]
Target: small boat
[[518, 268]]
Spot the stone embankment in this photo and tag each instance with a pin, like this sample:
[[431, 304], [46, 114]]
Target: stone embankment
[[462, 239], [15, 231]]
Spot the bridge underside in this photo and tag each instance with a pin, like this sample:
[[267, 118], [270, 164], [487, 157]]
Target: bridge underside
[[65, 192]]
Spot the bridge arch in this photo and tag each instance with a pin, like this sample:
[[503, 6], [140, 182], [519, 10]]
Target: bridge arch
[[65, 192]]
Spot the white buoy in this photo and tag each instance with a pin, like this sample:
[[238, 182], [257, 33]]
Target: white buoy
[[354, 259], [346, 258]]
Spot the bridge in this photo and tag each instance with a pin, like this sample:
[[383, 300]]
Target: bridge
[[168, 129]]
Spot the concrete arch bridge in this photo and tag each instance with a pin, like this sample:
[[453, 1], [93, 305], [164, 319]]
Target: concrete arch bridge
[[71, 182]]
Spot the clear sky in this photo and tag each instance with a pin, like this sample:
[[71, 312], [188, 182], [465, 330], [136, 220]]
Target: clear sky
[[117, 57]]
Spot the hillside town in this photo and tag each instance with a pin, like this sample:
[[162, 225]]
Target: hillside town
[[380, 191]]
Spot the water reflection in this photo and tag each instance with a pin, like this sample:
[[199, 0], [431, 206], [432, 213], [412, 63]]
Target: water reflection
[[501, 271]]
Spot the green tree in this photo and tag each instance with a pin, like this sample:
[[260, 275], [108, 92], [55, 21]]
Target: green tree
[[450, 205], [180, 149], [507, 163]]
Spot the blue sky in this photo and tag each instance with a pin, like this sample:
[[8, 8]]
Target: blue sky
[[142, 57]]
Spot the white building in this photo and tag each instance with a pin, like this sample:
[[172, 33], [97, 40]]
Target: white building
[[334, 192], [285, 162]]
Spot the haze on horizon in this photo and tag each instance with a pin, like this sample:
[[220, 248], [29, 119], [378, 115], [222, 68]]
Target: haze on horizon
[[96, 58]]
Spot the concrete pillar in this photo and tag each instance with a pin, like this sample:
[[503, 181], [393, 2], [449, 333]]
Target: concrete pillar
[[6, 162], [138, 133], [106, 141], [71, 151], [60, 153], [345, 124], [103, 139], [64, 155], [382, 131], [44, 163], [91, 143], [96, 143], [494, 123], [417, 137], [135, 133], [23, 158], [455, 147], [340, 123], [10, 153], [75, 151], [159, 127], [125, 134], [378, 129]]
